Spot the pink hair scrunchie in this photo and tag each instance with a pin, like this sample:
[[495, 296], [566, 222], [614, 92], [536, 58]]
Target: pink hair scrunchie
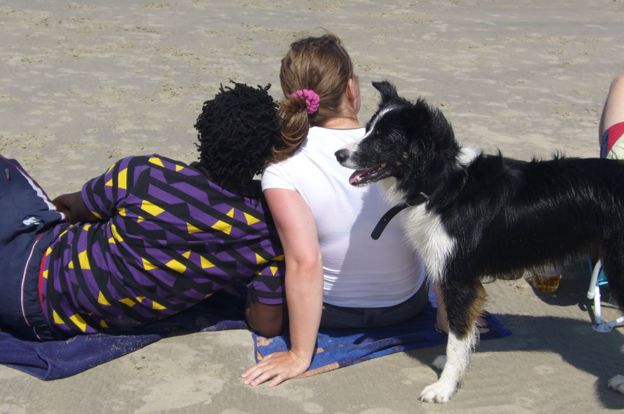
[[312, 100]]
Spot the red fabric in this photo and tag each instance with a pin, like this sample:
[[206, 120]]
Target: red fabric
[[41, 269], [615, 132]]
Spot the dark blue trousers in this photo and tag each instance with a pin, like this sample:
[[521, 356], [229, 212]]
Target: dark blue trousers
[[26, 219]]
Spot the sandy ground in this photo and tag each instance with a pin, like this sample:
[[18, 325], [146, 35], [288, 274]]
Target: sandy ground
[[83, 83]]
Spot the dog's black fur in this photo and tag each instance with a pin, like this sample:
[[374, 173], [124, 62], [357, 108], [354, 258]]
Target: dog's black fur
[[500, 214]]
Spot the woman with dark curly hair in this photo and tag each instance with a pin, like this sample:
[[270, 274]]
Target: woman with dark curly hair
[[148, 238]]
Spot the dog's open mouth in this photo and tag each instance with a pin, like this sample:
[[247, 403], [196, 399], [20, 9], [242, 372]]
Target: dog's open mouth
[[367, 175]]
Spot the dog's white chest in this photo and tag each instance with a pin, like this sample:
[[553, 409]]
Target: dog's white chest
[[426, 233]]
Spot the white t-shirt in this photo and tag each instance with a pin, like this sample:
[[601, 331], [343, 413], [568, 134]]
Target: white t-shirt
[[358, 271]]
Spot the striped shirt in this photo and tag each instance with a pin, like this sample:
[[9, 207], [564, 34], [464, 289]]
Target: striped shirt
[[167, 238]]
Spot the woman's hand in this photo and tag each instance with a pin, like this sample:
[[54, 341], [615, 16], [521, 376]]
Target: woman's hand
[[276, 368], [303, 286]]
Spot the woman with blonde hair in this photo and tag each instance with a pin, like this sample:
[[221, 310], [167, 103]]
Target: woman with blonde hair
[[336, 275]]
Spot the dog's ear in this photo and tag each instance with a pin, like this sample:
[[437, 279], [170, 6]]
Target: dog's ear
[[387, 90]]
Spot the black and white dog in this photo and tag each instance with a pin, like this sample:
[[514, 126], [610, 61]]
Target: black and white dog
[[470, 214]]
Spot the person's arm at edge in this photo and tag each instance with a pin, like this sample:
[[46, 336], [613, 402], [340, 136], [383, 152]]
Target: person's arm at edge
[[303, 285]]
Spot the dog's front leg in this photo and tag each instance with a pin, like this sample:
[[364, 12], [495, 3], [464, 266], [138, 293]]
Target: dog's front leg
[[463, 307], [457, 359]]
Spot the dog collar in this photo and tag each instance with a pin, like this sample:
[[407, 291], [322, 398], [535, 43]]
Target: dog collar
[[385, 219]]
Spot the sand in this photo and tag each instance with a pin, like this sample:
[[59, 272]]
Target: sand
[[84, 83]]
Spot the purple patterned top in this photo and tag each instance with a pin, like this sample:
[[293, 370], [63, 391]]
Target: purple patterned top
[[168, 238]]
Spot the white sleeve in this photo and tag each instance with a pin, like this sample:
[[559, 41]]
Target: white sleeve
[[276, 176]]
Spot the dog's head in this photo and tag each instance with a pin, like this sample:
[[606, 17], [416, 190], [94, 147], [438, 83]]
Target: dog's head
[[402, 138]]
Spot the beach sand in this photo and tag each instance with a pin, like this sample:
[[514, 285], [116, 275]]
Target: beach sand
[[84, 83]]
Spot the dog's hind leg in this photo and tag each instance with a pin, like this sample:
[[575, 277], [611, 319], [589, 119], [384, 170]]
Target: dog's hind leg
[[464, 303]]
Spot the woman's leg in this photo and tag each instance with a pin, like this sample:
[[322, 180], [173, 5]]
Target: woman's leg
[[613, 111], [613, 114]]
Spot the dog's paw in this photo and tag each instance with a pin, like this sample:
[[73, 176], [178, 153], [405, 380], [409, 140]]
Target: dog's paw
[[439, 362], [438, 392], [617, 383]]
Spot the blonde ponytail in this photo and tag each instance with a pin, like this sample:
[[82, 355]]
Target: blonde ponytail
[[294, 125], [320, 64]]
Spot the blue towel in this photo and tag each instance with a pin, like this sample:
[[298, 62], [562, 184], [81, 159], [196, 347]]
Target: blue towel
[[337, 348], [59, 359]]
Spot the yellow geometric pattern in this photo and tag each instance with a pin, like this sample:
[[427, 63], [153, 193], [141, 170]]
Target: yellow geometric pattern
[[83, 259], [192, 229], [151, 208], [157, 306], [128, 302], [116, 234], [57, 318], [179, 256], [250, 219], [79, 322], [122, 179], [222, 226], [102, 300], [156, 161], [147, 265], [205, 263], [176, 266]]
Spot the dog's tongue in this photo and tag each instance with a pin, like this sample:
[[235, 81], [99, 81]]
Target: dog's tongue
[[356, 177], [363, 176]]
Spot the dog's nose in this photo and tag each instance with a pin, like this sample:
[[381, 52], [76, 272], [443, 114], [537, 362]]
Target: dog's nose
[[342, 155]]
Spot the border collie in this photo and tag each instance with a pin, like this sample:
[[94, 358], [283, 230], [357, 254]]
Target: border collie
[[471, 214]]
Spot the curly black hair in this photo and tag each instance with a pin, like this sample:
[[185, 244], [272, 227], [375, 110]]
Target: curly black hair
[[237, 130]]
